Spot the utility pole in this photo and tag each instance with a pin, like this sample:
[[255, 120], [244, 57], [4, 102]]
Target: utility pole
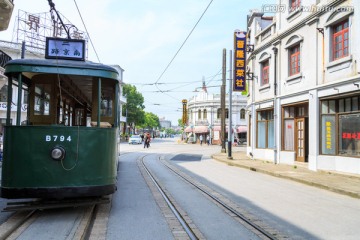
[[230, 110], [223, 148]]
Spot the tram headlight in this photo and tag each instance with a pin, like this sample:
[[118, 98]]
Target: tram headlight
[[58, 153]]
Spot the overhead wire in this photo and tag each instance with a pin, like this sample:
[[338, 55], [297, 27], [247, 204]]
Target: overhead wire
[[183, 43], [97, 56], [182, 82]]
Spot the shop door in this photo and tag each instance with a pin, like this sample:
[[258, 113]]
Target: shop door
[[300, 139]]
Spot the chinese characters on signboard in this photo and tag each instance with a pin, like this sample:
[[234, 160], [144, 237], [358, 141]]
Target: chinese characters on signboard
[[184, 116], [239, 61], [328, 134], [33, 22], [349, 135], [65, 49], [35, 28]]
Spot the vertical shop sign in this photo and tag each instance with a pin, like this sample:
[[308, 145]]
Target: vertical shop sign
[[184, 116], [328, 135], [239, 61]]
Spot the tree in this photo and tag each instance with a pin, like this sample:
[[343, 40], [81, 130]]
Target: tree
[[170, 131], [134, 106], [151, 120], [180, 123]]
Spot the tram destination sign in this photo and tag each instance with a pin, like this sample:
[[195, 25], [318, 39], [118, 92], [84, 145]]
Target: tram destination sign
[[68, 49]]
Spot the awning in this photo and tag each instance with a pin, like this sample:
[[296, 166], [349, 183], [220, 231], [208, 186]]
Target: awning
[[201, 129], [218, 128], [241, 129], [188, 129]]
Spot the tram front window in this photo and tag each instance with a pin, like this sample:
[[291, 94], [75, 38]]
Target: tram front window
[[42, 99]]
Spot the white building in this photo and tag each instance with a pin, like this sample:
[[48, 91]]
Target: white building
[[165, 123], [204, 116], [304, 99], [122, 98]]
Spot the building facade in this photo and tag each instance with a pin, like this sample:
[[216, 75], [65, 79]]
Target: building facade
[[304, 100], [165, 123], [204, 117], [122, 98]]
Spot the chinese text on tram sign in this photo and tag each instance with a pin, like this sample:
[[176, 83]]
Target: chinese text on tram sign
[[59, 48]]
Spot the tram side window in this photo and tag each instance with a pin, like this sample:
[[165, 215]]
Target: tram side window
[[79, 117], [106, 108], [42, 99]]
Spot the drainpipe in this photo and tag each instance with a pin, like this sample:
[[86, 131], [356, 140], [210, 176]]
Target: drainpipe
[[275, 104]]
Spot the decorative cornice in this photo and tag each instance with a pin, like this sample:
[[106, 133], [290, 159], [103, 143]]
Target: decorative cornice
[[296, 27]]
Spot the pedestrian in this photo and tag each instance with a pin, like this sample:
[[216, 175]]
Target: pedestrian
[[201, 139], [147, 140], [208, 140]]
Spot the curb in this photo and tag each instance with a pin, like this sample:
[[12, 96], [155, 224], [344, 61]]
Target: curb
[[309, 183]]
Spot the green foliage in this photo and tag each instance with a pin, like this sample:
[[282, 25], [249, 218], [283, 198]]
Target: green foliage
[[170, 131], [134, 106], [151, 121], [180, 123], [245, 93]]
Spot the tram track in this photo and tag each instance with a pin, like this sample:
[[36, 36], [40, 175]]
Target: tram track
[[246, 219], [253, 223], [90, 223], [183, 228]]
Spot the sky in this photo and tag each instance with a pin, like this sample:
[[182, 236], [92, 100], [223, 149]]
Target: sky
[[143, 36]]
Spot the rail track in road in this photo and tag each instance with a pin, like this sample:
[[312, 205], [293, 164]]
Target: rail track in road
[[88, 222], [181, 226], [248, 220]]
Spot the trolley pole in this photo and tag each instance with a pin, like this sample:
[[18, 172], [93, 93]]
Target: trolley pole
[[223, 147]]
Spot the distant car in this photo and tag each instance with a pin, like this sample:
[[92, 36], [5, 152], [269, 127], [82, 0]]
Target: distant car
[[135, 139]]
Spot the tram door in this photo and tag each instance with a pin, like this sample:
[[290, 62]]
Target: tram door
[[301, 139]]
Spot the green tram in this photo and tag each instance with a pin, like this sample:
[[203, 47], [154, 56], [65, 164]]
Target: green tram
[[66, 146]]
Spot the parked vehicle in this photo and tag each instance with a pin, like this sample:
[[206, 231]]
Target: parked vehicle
[[135, 139]]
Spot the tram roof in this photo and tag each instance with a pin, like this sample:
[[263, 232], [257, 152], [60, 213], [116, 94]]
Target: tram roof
[[57, 66]]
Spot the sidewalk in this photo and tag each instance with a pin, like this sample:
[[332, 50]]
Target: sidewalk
[[336, 182]]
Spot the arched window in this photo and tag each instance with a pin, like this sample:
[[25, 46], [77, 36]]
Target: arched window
[[242, 114], [3, 93], [199, 114], [205, 114]]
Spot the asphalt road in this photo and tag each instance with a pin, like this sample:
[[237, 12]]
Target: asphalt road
[[296, 210], [301, 211]]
